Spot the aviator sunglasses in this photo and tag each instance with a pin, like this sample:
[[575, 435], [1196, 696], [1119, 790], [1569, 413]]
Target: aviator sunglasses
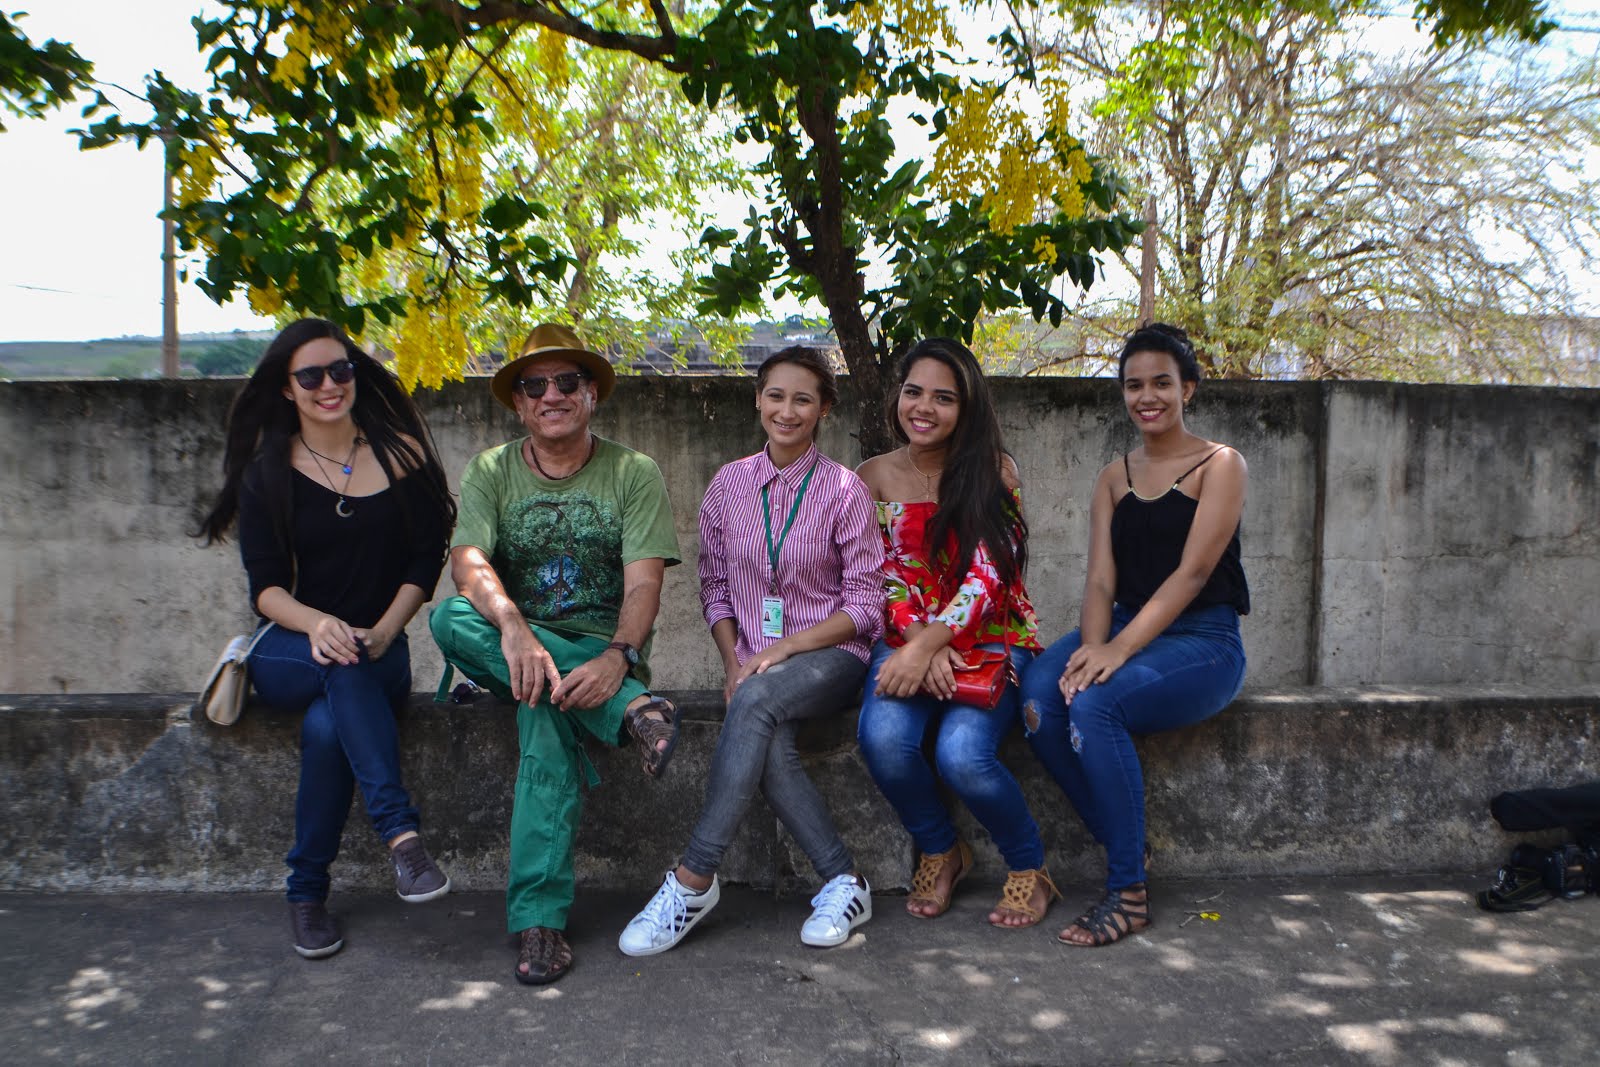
[[533, 388], [340, 370]]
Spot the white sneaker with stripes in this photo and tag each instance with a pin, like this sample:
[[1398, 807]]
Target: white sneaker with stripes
[[839, 907], [670, 915]]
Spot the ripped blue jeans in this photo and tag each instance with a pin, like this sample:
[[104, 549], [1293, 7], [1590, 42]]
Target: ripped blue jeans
[[1186, 675]]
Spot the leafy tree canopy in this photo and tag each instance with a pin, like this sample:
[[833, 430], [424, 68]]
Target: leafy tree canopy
[[35, 78], [306, 96], [1001, 210]]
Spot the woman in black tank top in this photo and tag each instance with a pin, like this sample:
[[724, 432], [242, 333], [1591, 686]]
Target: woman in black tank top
[[1157, 646], [343, 517]]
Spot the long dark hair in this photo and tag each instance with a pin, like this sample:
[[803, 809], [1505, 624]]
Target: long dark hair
[[262, 423], [974, 503], [807, 359]]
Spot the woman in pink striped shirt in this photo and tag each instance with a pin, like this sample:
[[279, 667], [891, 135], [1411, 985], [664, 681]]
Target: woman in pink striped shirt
[[792, 588]]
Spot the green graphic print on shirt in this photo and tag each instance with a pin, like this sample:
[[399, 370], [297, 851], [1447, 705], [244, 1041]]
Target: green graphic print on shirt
[[560, 558]]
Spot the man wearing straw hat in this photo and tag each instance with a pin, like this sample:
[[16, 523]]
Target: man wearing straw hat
[[559, 554]]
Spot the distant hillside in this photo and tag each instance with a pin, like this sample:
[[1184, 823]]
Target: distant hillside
[[117, 357], [237, 352]]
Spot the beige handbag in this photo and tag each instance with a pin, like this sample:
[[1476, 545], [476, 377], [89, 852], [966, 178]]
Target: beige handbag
[[222, 697]]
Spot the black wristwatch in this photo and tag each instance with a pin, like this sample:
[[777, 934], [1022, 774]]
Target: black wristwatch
[[629, 653]]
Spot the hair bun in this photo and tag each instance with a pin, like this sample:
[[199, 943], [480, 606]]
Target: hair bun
[[1162, 337]]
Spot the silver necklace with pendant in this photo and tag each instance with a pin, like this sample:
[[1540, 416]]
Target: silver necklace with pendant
[[342, 508]]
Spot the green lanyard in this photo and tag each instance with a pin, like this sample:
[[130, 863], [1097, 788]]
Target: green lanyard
[[766, 511]]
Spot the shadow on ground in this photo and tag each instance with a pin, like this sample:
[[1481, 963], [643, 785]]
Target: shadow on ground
[[1361, 971]]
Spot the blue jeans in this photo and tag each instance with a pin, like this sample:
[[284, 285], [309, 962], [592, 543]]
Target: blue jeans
[[757, 749], [1189, 673], [348, 737], [966, 740]]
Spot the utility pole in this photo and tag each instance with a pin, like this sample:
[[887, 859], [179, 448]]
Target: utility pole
[[169, 269], [1147, 265]]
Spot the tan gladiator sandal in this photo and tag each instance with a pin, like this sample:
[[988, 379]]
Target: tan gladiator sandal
[[924, 883], [1016, 896]]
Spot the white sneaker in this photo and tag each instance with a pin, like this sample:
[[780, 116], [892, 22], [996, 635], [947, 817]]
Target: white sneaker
[[671, 914], [839, 907]]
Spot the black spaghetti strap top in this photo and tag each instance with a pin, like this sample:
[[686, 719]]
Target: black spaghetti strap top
[[1147, 539]]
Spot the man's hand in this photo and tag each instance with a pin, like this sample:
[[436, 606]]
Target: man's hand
[[591, 684], [529, 662]]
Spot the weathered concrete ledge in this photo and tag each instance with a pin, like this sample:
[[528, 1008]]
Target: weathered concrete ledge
[[108, 792]]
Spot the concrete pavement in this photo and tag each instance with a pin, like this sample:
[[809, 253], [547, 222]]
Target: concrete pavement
[[1304, 971]]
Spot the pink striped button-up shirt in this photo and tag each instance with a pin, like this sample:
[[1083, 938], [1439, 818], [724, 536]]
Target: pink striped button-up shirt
[[831, 561]]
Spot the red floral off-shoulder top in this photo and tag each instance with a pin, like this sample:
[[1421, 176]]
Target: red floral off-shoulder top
[[911, 579]]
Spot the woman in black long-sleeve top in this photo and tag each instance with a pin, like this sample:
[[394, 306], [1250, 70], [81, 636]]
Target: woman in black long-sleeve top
[[343, 518]]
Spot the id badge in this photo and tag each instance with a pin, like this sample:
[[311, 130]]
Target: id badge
[[771, 616]]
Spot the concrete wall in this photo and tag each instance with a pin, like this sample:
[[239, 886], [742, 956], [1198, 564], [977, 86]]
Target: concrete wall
[[128, 792], [1394, 533]]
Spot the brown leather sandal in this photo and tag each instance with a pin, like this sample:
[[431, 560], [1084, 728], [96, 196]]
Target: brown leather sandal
[[647, 731], [545, 953], [1016, 896], [924, 883]]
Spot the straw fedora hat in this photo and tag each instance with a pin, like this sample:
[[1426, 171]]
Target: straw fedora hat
[[550, 340]]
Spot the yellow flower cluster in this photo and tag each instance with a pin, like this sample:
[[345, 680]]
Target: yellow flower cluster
[[431, 342], [552, 52], [994, 145], [1057, 106], [315, 30], [372, 273], [960, 161], [290, 70], [1044, 250], [456, 183], [922, 26], [264, 301], [516, 108], [385, 97], [195, 168]]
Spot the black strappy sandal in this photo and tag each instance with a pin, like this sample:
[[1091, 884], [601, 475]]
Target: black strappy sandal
[[1112, 919]]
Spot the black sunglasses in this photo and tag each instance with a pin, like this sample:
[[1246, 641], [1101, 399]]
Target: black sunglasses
[[340, 370], [533, 388]]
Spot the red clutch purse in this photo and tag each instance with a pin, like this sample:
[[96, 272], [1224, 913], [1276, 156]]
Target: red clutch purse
[[984, 673], [983, 677]]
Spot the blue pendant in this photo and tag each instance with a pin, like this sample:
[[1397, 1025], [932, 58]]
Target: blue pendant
[[347, 468]]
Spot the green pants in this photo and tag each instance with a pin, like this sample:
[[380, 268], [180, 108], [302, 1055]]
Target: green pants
[[547, 801]]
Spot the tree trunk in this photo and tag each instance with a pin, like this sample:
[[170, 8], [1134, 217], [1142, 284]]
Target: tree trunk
[[831, 260]]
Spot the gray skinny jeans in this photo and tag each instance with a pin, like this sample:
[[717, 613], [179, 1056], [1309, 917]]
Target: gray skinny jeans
[[757, 750]]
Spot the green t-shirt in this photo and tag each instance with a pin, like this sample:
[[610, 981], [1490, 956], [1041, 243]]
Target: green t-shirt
[[559, 547]]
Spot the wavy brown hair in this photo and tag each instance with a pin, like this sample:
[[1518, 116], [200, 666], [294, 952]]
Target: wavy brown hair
[[974, 504]]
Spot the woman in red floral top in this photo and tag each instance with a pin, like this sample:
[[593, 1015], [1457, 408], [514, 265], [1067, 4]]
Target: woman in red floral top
[[955, 544]]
